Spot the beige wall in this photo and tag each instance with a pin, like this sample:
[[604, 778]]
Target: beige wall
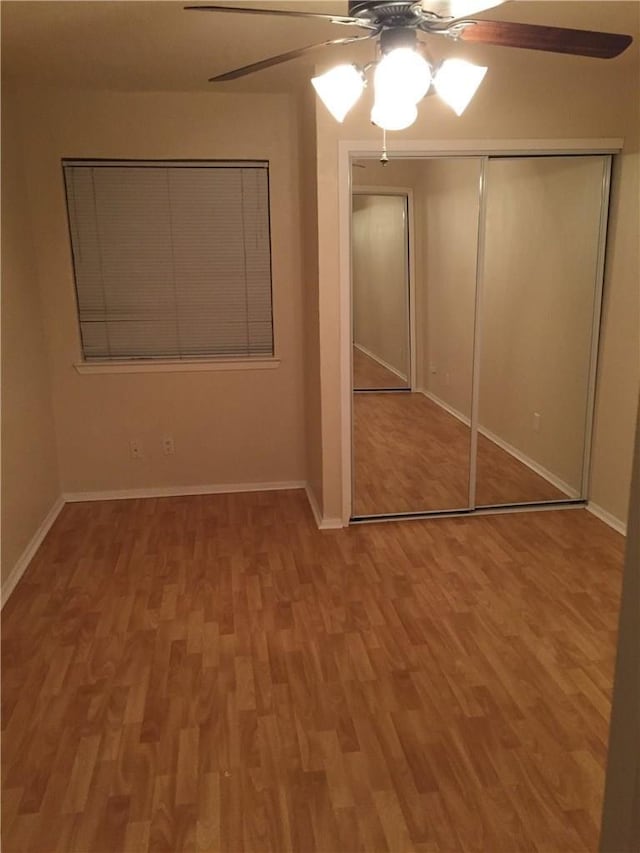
[[29, 466], [380, 287], [523, 97], [244, 426]]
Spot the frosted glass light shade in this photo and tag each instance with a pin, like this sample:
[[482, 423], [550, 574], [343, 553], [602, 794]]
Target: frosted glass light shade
[[339, 89], [456, 82], [402, 73], [393, 113]]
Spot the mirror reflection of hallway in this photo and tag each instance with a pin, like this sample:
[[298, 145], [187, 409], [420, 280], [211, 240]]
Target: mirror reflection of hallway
[[379, 252]]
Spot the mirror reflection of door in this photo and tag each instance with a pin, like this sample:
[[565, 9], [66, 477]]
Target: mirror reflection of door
[[381, 337]]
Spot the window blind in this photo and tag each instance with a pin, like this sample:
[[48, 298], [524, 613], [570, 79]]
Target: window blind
[[171, 260]]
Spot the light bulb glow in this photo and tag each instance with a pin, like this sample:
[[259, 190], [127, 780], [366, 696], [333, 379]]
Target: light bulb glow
[[456, 82], [339, 89], [393, 113], [402, 73]]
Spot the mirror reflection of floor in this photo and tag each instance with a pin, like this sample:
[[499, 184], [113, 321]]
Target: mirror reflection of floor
[[370, 374], [410, 455]]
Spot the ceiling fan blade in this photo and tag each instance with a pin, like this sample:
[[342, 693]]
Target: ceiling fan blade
[[334, 19], [281, 57], [554, 39]]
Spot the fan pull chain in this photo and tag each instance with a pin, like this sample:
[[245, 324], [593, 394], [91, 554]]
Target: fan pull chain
[[383, 157]]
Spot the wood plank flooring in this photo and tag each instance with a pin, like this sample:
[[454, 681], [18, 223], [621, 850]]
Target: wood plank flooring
[[370, 374], [212, 673], [410, 455]]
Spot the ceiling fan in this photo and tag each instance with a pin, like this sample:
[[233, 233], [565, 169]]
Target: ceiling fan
[[402, 74]]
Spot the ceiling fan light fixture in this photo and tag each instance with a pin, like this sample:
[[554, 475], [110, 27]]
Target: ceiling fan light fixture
[[339, 89], [393, 113], [456, 81], [402, 72]]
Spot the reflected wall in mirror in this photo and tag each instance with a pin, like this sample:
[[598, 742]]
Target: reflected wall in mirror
[[411, 448], [539, 287], [380, 281]]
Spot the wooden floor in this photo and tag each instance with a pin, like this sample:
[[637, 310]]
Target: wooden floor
[[410, 455], [213, 673], [369, 374]]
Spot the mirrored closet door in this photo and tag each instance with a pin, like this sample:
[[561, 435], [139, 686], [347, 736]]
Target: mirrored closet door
[[539, 288], [477, 280], [411, 447]]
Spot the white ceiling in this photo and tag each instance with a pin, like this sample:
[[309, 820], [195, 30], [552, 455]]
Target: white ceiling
[[153, 45]]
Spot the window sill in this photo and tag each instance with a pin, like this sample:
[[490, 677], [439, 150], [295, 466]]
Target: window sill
[[176, 366]]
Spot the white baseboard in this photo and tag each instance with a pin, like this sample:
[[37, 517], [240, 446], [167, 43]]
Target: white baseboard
[[180, 491], [607, 517], [569, 491], [210, 489], [547, 475], [439, 402], [322, 523], [382, 363], [27, 555]]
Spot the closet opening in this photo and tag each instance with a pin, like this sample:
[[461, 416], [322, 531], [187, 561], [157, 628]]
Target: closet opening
[[488, 405]]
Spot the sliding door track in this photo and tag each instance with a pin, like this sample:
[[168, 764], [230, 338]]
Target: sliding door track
[[498, 509]]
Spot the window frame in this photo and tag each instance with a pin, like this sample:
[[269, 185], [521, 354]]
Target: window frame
[[163, 364]]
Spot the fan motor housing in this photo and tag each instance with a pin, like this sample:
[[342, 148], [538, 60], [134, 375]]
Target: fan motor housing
[[395, 37], [386, 12]]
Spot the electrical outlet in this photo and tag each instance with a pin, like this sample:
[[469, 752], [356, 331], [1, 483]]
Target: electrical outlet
[[433, 368], [168, 447], [536, 421], [135, 449]]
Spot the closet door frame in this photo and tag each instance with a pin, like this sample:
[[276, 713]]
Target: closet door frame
[[350, 150], [596, 325]]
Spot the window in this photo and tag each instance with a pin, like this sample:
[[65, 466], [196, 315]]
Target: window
[[171, 260]]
